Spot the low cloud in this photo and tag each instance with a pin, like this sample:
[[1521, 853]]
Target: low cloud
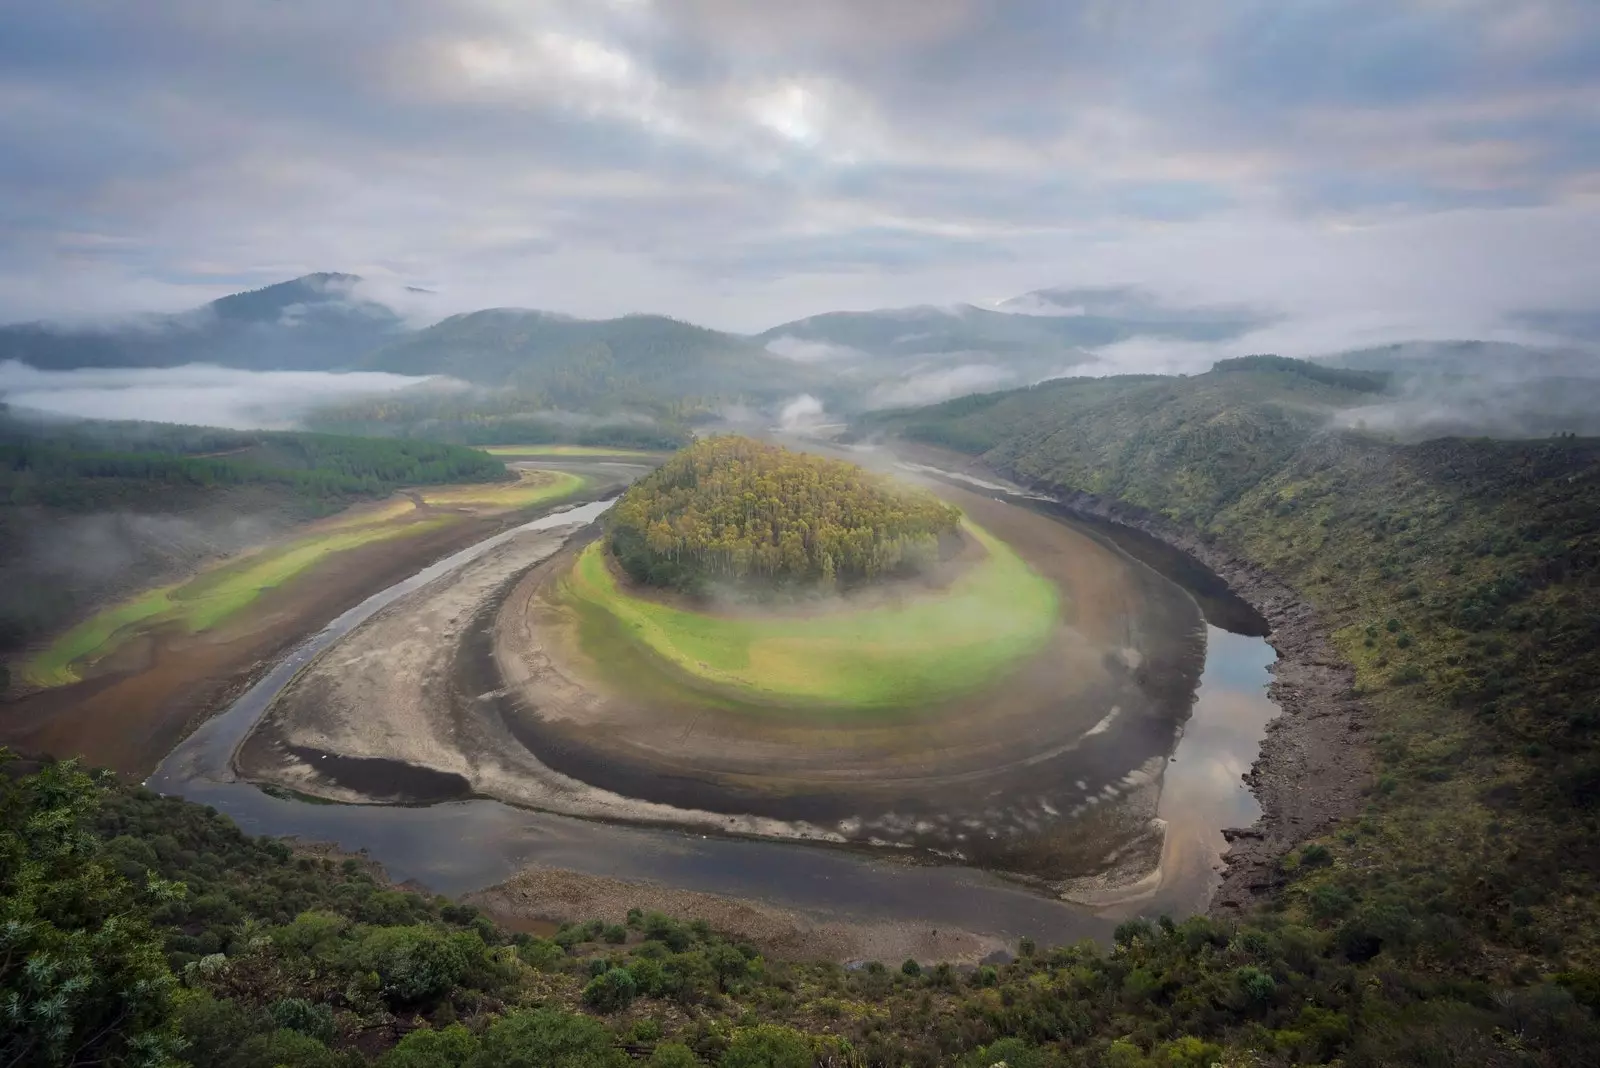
[[197, 394], [804, 412], [929, 387], [802, 351]]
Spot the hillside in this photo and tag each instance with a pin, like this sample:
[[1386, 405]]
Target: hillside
[[1458, 576], [92, 509], [903, 356], [315, 322], [582, 363]]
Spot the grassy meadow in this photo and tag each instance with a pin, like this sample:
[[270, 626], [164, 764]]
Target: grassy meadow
[[873, 660], [534, 487]]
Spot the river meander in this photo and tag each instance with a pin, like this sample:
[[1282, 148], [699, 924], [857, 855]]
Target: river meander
[[461, 846]]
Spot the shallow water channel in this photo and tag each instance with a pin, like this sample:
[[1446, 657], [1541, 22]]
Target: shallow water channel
[[457, 847]]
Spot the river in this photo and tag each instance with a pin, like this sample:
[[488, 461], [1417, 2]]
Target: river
[[457, 847]]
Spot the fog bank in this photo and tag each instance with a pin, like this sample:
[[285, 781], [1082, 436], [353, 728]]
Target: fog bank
[[198, 394]]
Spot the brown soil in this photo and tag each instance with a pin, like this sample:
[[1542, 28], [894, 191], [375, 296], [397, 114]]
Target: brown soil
[[560, 896], [154, 691], [1052, 771]]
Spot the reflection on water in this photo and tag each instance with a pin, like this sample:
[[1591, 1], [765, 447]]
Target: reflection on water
[[1204, 791], [457, 847]]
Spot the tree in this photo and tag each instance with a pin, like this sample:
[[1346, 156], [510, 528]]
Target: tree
[[83, 979], [547, 1038]]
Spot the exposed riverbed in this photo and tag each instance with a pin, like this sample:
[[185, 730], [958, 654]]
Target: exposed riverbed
[[461, 846]]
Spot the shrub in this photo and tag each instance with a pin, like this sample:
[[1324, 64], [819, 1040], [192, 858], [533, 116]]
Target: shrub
[[910, 968], [768, 1046], [416, 964], [612, 991], [298, 1014], [673, 1055], [547, 1038], [282, 1048], [1257, 986], [1012, 1052], [615, 933], [541, 953], [449, 1048]]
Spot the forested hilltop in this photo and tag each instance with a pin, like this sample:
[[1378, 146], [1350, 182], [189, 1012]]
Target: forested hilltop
[[731, 509], [91, 508]]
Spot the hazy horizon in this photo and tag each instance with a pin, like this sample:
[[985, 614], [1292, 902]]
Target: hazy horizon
[[1432, 176]]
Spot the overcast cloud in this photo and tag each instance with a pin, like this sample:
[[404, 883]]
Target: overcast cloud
[[1413, 167]]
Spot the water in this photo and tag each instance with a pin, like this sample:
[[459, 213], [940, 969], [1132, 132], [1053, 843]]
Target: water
[[458, 847]]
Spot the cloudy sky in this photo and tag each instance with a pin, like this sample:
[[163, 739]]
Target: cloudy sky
[[1380, 168]]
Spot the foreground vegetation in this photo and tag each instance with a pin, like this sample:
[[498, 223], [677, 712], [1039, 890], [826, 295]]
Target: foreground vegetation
[[883, 659], [729, 509], [159, 934]]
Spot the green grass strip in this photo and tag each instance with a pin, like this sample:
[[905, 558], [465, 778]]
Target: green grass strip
[[877, 659]]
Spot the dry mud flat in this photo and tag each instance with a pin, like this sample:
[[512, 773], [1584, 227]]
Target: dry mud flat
[[448, 693], [153, 691]]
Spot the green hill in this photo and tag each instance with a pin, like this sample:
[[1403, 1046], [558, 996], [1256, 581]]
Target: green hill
[[1460, 577], [316, 322], [582, 363]]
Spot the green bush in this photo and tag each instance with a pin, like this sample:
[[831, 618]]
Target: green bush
[[419, 963], [547, 1038], [612, 991], [768, 1046], [298, 1014], [673, 1055], [451, 1047]]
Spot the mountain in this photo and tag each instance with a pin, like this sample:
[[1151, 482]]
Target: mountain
[[918, 355], [1499, 361], [1121, 312], [316, 322], [578, 363]]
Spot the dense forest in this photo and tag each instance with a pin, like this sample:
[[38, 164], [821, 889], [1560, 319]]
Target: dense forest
[[506, 417], [731, 509], [586, 364], [141, 930]]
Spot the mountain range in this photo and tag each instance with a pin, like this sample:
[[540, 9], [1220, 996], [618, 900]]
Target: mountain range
[[849, 360]]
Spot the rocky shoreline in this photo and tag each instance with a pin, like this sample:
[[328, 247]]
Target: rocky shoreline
[[1315, 761]]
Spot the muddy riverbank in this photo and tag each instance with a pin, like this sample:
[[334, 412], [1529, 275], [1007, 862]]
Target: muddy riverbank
[[1315, 759], [1053, 773]]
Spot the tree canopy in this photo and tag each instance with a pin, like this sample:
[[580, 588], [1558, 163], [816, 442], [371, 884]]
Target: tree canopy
[[732, 509]]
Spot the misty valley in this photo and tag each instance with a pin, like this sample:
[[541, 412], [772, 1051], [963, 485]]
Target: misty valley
[[917, 686]]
